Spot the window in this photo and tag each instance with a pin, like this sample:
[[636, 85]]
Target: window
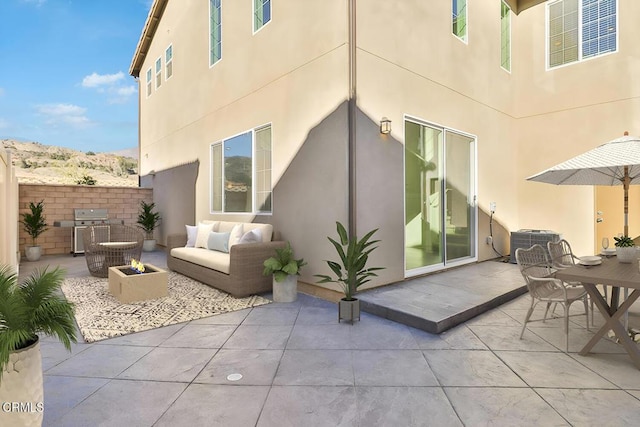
[[158, 72], [459, 8], [580, 29], [241, 172], [149, 82], [505, 36], [215, 31], [168, 62], [261, 13]]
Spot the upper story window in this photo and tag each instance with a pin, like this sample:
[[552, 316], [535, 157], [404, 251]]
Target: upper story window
[[261, 13], [158, 72], [149, 82], [168, 62], [459, 9], [215, 31], [505, 36], [580, 29], [241, 172]]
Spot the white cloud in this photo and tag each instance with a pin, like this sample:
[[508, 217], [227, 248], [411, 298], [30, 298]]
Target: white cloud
[[68, 114], [96, 80]]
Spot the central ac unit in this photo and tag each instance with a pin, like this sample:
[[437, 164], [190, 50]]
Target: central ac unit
[[526, 238]]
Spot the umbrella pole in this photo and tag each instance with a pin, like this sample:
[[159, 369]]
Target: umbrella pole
[[625, 184]]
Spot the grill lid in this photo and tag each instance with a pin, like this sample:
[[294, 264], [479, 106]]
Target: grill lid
[[90, 214]]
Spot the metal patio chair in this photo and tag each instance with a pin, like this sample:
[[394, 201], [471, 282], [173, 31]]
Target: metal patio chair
[[543, 287]]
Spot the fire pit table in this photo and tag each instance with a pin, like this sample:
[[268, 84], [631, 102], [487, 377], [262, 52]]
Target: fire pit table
[[127, 285]]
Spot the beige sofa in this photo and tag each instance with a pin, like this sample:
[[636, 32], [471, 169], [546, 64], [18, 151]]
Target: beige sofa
[[238, 272]]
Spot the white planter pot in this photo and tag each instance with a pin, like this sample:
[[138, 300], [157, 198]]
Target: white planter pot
[[149, 245], [627, 255], [286, 291], [33, 253], [22, 383]]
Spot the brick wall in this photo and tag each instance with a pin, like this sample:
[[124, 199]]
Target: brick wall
[[60, 201]]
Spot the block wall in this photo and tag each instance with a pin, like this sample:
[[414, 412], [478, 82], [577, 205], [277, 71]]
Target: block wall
[[60, 201]]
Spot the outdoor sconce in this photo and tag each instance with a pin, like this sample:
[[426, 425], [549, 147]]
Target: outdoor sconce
[[385, 126]]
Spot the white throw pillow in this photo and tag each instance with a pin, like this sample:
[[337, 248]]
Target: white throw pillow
[[203, 235], [236, 235], [192, 233], [218, 242], [251, 236]]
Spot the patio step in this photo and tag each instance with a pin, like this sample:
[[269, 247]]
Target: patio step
[[439, 301]]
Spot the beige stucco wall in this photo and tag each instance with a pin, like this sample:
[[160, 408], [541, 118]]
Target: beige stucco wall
[[8, 213]]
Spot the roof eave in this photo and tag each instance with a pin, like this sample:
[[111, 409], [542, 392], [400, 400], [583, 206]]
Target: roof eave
[[150, 27]]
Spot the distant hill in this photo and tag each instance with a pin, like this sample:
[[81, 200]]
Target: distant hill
[[36, 163]]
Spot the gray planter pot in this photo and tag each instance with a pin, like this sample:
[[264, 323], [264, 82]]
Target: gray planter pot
[[286, 291], [33, 253], [627, 254], [149, 245], [348, 310]]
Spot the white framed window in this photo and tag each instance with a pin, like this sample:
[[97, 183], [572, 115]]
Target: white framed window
[[580, 29], [158, 72], [261, 13], [215, 31], [241, 173], [505, 36], [149, 82], [168, 62], [459, 19]]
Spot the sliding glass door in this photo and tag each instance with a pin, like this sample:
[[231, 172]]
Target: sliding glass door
[[440, 200]]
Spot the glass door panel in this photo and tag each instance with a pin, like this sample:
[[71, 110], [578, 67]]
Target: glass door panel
[[423, 206], [460, 196]]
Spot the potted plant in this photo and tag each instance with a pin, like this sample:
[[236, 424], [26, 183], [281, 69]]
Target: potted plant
[[34, 224], [285, 270], [351, 272], [26, 310], [625, 249], [148, 220]]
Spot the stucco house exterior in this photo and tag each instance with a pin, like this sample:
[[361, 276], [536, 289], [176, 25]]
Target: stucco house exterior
[[415, 117]]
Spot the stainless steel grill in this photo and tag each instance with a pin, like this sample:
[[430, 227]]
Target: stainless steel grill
[[83, 218]]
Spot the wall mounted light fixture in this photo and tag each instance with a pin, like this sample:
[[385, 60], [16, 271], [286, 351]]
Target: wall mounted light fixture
[[385, 126]]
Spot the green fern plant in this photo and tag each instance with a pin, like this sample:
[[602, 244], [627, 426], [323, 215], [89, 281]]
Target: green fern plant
[[32, 307], [147, 219], [283, 264], [34, 221]]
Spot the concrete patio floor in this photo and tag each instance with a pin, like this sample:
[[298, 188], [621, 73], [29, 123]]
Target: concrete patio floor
[[301, 367]]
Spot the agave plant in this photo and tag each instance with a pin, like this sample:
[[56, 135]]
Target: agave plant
[[30, 308], [352, 271]]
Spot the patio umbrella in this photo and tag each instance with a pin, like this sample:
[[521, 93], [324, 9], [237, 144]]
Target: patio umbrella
[[614, 163]]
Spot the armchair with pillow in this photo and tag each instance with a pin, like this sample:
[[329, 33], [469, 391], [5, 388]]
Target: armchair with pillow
[[224, 255]]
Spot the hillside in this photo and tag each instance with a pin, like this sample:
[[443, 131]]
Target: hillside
[[36, 163]]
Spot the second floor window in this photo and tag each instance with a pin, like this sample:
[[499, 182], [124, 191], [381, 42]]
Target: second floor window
[[215, 31], [149, 82], [505, 37], [168, 62], [459, 9], [580, 29], [261, 13], [158, 72]]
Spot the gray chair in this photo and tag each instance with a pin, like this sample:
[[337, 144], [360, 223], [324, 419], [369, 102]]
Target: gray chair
[[544, 287], [111, 246]]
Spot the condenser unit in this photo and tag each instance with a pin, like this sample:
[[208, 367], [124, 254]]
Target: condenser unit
[[527, 238]]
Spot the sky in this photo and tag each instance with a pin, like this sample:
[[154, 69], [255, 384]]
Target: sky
[[64, 72]]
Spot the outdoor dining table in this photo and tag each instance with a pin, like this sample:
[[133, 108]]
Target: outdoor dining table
[[618, 275]]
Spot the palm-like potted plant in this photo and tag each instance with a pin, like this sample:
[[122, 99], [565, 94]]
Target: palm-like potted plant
[[285, 270], [626, 251], [351, 272], [148, 220], [34, 224], [26, 310]]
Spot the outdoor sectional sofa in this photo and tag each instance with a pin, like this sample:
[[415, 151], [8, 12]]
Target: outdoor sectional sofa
[[201, 254]]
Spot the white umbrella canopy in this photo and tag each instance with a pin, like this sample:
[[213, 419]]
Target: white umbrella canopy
[[615, 163]]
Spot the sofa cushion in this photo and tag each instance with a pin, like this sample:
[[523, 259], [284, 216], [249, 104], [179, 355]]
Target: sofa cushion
[[235, 235], [251, 236], [192, 234], [265, 229], [218, 242], [203, 234], [214, 260]]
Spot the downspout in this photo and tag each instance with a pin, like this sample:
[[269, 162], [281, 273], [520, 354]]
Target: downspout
[[139, 131], [351, 120]]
